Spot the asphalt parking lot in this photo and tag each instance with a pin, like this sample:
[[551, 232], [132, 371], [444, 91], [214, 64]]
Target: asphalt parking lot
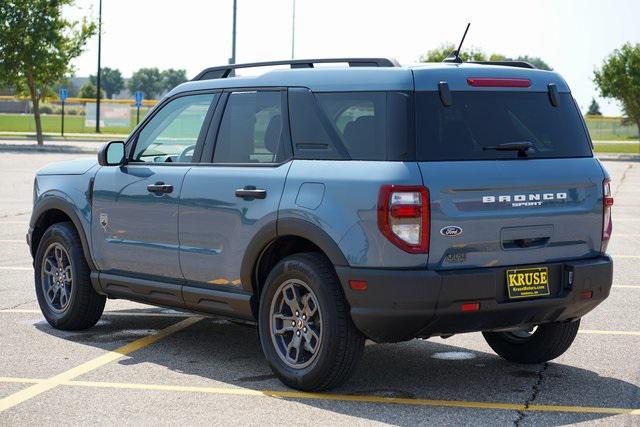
[[146, 365]]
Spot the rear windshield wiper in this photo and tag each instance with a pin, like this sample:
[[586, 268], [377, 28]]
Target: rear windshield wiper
[[523, 148]]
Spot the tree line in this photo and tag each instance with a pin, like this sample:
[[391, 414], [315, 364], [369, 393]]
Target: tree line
[[151, 81], [38, 43]]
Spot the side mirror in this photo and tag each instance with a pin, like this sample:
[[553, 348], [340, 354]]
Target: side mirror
[[111, 154]]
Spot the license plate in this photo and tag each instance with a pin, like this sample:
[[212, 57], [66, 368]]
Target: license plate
[[528, 282]]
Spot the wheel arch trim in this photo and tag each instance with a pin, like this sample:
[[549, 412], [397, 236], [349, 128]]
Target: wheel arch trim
[[273, 230], [52, 202]]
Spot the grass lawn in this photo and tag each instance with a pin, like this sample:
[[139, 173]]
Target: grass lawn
[[51, 123], [617, 148]]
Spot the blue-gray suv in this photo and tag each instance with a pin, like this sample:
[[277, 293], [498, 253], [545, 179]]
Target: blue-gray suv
[[329, 205]]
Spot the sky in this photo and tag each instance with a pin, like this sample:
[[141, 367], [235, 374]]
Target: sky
[[572, 36]]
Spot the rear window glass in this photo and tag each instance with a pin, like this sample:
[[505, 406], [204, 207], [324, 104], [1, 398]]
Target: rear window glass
[[478, 121]]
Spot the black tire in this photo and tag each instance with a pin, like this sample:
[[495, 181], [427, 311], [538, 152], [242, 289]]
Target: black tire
[[340, 345], [85, 305], [547, 342]]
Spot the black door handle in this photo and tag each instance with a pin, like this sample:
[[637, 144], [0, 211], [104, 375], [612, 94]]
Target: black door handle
[[159, 187], [250, 192]]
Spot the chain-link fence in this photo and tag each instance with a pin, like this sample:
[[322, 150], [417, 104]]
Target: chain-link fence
[[117, 116], [120, 116], [611, 128]]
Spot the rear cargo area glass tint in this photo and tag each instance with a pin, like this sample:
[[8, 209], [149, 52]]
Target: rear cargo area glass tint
[[480, 119]]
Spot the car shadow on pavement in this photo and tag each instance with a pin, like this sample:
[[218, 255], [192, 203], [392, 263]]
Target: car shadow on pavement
[[216, 353]]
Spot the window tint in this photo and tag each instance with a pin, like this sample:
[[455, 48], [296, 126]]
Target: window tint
[[171, 135], [359, 118], [478, 120], [251, 129], [352, 125], [311, 132]]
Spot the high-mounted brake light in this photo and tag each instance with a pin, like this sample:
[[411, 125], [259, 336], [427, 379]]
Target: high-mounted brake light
[[607, 224], [403, 216], [497, 82]]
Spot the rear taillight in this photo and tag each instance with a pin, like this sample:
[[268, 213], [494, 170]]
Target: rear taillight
[[607, 225], [403, 216]]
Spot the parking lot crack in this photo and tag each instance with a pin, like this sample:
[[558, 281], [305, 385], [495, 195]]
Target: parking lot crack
[[18, 305], [535, 390]]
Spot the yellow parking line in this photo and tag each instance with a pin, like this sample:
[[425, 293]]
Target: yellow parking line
[[16, 268], [291, 394], [50, 383], [106, 313]]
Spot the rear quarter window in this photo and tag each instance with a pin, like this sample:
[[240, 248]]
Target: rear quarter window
[[478, 120], [351, 125]]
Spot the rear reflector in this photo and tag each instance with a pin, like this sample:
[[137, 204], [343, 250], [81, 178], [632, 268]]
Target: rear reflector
[[358, 285], [494, 82], [470, 306], [586, 294]]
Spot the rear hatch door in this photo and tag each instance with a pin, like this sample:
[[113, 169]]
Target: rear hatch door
[[493, 207]]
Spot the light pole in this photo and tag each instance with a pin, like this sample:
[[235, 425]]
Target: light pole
[[232, 60], [98, 75], [293, 30]]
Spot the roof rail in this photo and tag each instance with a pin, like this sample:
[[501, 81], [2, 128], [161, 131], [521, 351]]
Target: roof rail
[[519, 64], [224, 71]]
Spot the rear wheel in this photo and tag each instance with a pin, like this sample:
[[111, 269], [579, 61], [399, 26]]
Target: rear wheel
[[536, 345], [306, 332], [63, 284]]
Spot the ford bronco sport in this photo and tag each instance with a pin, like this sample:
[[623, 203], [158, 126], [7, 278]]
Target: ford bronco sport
[[333, 204]]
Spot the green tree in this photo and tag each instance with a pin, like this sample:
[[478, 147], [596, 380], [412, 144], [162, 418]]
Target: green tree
[[476, 54], [172, 78], [148, 80], [619, 78], [594, 108], [36, 47], [89, 90], [110, 80], [535, 61], [440, 53]]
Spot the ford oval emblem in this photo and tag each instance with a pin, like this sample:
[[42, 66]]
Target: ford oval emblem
[[451, 231]]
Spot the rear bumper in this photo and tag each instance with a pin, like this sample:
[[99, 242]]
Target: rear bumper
[[403, 304]]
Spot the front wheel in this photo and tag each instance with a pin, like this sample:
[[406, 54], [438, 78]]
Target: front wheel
[[63, 282], [306, 332], [536, 345]]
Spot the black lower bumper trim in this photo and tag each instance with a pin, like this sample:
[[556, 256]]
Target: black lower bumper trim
[[403, 304]]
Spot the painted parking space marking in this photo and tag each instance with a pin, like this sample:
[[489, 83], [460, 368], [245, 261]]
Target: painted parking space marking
[[53, 382], [626, 286], [156, 314], [291, 394], [107, 313], [8, 268]]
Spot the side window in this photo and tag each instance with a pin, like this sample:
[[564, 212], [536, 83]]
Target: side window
[[251, 129], [312, 134], [172, 134], [360, 119]]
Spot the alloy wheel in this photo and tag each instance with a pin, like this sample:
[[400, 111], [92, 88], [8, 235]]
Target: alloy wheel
[[56, 277], [296, 324]]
